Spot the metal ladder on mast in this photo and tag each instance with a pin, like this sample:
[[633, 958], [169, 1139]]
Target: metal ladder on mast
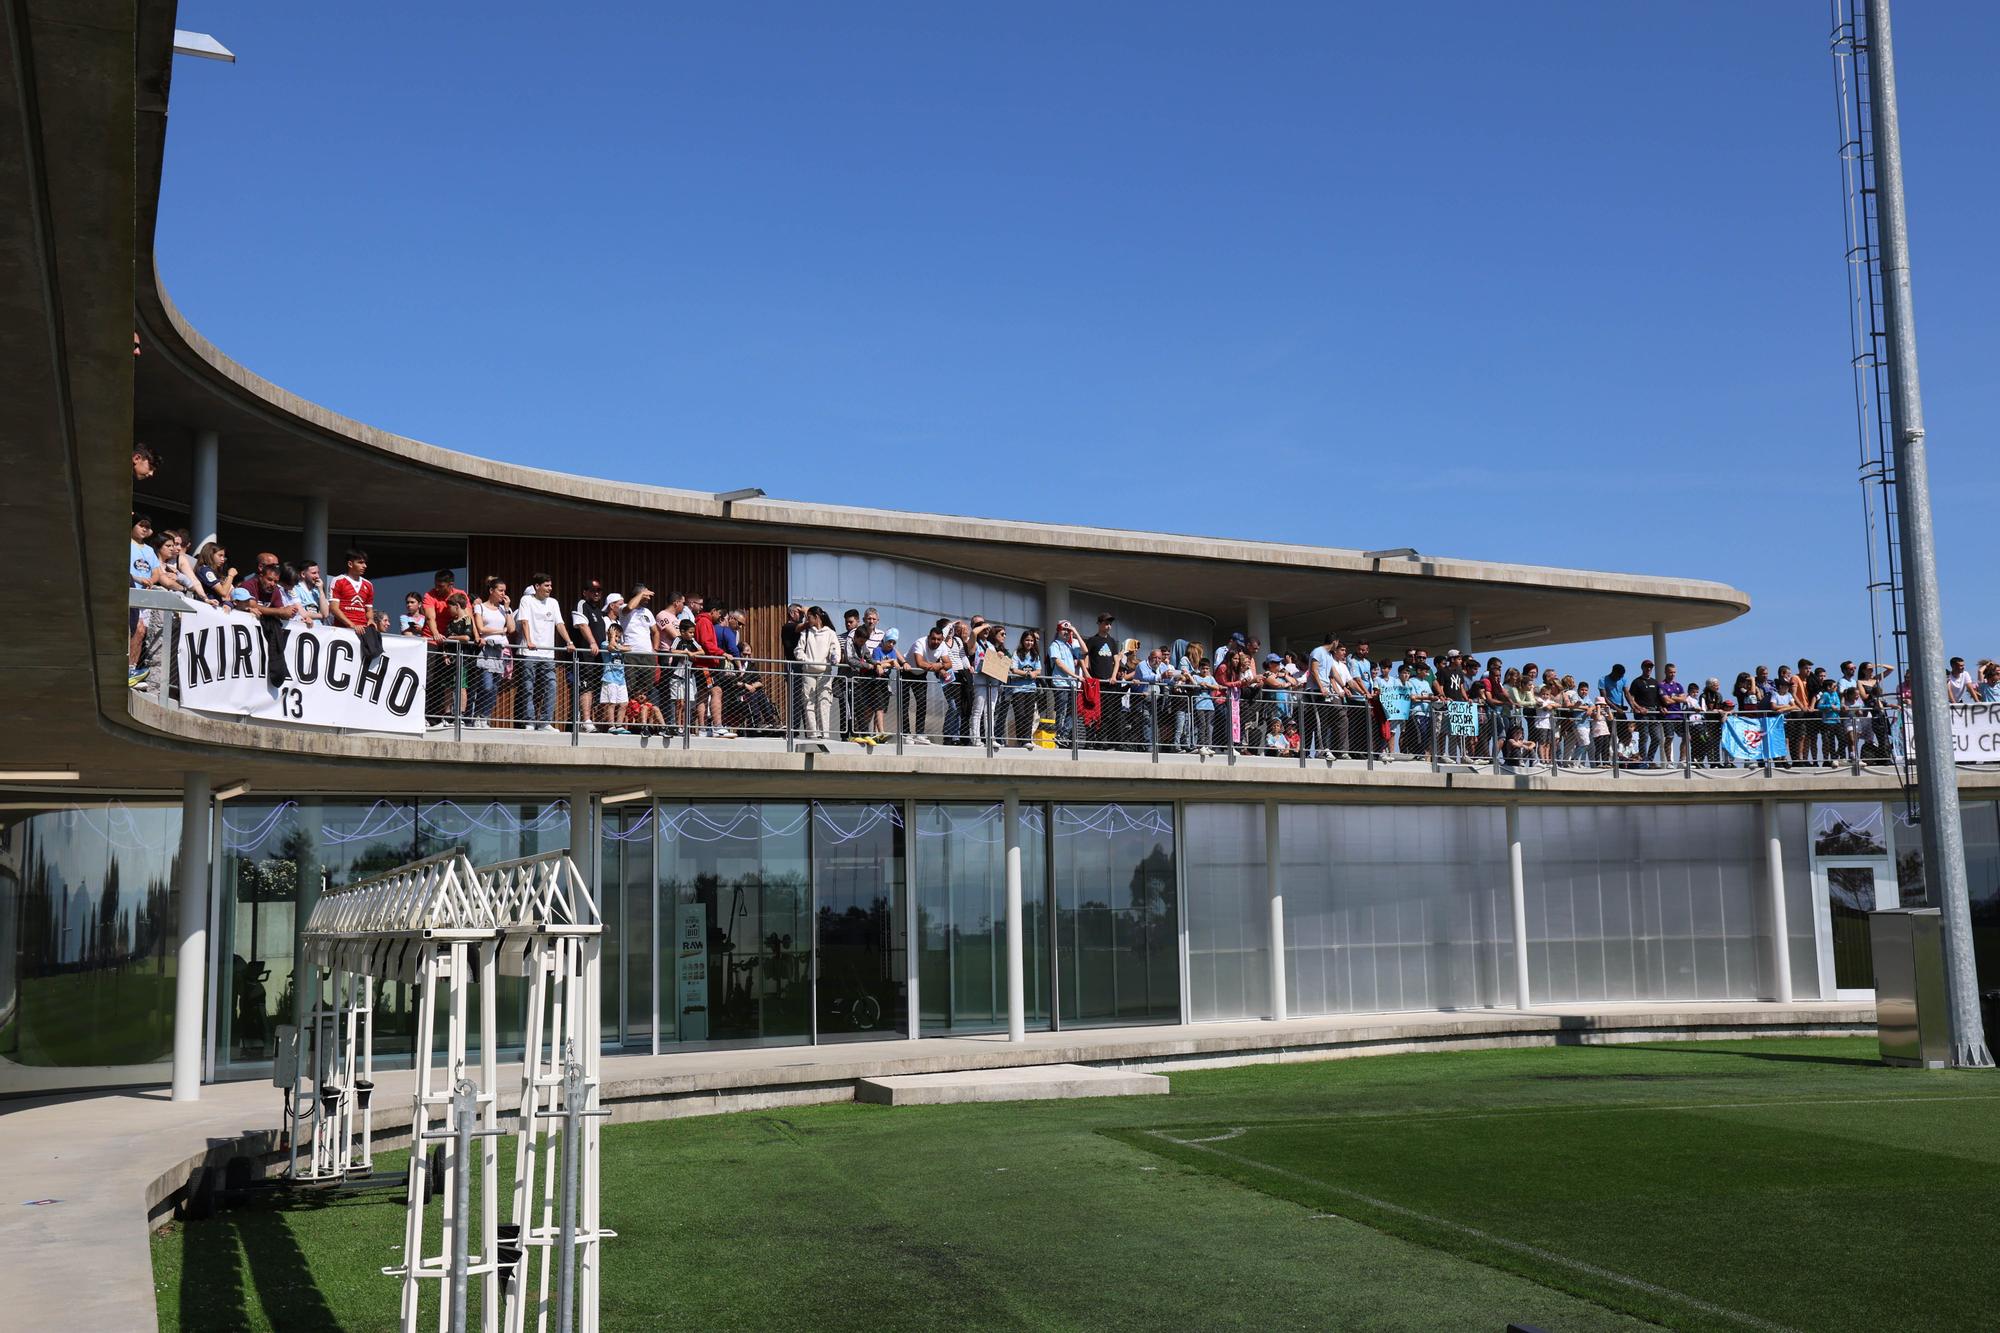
[[1869, 343]]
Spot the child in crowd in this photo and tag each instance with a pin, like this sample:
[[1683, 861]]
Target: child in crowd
[[1827, 704], [612, 697], [413, 615]]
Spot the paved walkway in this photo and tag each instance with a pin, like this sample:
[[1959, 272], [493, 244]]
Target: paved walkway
[[108, 1162]]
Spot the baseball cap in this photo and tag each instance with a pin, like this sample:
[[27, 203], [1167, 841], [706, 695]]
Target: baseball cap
[[241, 595], [614, 599], [1269, 658], [892, 636]]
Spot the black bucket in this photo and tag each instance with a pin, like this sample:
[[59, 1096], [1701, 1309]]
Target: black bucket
[[364, 1092]]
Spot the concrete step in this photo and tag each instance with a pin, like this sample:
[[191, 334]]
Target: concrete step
[[1024, 1084]]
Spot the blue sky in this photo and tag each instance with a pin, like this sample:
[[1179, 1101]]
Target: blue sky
[[1560, 284]]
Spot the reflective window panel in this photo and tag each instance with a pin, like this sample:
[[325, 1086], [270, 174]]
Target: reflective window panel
[[1117, 915], [1228, 912], [736, 951], [275, 855], [1851, 828], [857, 864], [1395, 907], [87, 927], [959, 866], [625, 901]]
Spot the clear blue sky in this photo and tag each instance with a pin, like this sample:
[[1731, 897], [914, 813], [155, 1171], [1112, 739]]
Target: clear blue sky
[[1560, 283]]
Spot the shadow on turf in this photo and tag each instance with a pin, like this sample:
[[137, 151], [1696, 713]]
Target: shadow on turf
[[212, 1293]]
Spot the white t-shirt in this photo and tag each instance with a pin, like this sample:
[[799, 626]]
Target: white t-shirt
[[537, 618], [637, 627]]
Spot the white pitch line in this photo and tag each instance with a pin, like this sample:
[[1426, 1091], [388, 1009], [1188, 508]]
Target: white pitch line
[[1519, 1247]]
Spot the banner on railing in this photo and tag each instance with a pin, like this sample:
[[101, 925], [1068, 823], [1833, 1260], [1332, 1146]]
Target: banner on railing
[[225, 667], [1753, 738], [1975, 733]]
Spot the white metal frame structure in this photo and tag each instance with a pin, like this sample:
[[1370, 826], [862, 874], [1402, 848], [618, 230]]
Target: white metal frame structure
[[443, 928]]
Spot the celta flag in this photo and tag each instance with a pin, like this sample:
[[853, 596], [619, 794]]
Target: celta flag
[[1753, 738]]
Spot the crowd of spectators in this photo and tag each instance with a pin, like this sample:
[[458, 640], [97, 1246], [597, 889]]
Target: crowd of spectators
[[639, 662]]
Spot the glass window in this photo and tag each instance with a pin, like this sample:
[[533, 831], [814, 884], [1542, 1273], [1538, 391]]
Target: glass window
[[863, 979], [737, 878], [275, 856], [1117, 914], [625, 901], [961, 888], [1228, 912], [88, 904], [1849, 829]]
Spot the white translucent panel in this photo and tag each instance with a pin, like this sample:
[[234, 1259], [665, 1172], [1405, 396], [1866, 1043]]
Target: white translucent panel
[[1395, 908], [1228, 914], [1645, 902]]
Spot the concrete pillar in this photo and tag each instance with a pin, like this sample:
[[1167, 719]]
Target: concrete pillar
[[207, 473], [1017, 990], [191, 953], [1462, 628], [1274, 889], [583, 835], [315, 536], [1774, 872], [1517, 879], [1257, 621], [1659, 647], [1055, 606]]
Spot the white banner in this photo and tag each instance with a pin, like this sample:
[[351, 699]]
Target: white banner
[[225, 664], [1975, 733]]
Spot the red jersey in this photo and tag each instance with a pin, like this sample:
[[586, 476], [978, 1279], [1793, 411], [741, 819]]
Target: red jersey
[[355, 598], [439, 610]]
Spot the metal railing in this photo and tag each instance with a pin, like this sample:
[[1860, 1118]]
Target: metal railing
[[686, 700]]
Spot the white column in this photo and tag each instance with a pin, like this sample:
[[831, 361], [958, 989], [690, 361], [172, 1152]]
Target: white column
[[1774, 871], [315, 536], [1055, 606], [191, 954], [1274, 889], [1462, 628], [1257, 621], [1017, 991], [1518, 881], [1659, 647], [207, 472], [583, 836]]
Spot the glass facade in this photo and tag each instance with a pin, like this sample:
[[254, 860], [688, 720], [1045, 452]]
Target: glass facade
[[1228, 912], [275, 857], [88, 905], [862, 983], [1117, 903], [746, 923], [1395, 907], [960, 880], [736, 944], [1655, 902]]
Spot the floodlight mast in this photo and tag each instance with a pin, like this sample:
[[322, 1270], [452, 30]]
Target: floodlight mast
[[1937, 779]]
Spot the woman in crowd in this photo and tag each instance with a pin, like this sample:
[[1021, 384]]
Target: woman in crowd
[[493, 622], [818, 656], [986, 689], [1023, 687]]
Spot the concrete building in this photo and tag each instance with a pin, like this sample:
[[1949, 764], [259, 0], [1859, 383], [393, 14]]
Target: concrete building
[[155, 860]]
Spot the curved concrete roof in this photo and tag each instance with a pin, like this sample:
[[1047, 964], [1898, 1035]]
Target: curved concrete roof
[[190, 384]]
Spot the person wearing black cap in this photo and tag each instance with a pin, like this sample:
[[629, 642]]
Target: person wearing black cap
[[1101, 662]]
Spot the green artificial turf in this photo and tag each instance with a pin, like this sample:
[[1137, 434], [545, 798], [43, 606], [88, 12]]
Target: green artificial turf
[[1560, 1188]]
